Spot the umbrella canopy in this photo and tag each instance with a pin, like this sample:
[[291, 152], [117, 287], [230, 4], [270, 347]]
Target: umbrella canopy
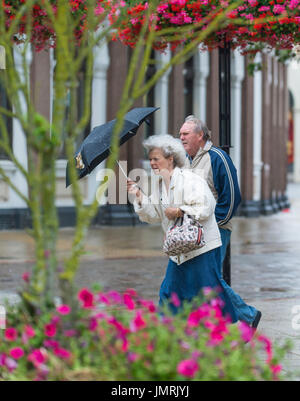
[[96, 146]]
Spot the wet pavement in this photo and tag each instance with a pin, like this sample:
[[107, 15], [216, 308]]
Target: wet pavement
[[265, 265]]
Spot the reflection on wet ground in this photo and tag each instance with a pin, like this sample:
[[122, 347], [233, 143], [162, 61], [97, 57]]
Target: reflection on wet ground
[[265, 255]]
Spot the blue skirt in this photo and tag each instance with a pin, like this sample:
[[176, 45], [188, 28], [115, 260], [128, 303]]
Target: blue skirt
[[188, 279]]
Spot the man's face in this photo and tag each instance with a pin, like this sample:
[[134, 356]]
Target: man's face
[[191, 140]]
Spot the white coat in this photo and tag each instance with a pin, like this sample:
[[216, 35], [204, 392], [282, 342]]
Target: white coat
[[191, 194]]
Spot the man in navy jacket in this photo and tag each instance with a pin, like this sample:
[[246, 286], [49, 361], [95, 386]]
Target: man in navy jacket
[[217, 168]]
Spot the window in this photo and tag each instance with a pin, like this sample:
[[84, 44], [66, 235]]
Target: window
[[150, 98], [188, 86]]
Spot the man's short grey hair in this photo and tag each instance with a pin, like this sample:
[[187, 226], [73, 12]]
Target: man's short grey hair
[[169, 146], [199, 126]]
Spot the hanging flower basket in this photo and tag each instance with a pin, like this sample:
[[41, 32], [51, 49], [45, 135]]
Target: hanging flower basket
[[274, 24]]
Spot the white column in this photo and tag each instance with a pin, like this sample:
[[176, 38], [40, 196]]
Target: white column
[[19, 142], [237, 76], [2, 58], [257, 132], [161, 94], [98, 105], [201, 69], [294, 87], [274, 116]]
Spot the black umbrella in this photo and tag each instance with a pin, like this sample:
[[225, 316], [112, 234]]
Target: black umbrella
[[96, 146]]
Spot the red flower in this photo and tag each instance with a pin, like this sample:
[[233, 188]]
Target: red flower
[[37, 357], [11, 334], [50, 330], [63, 309], [26, 277], [138, 322], [16, 353], [128, 301], [188, 368], [86, 297], [62, 353]]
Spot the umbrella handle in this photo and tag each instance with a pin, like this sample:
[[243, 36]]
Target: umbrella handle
[[127, 178]]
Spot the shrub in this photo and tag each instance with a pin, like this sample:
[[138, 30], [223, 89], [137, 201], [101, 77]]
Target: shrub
[[114, 336]]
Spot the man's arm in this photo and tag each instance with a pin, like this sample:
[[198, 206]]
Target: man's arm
[[226, 185]]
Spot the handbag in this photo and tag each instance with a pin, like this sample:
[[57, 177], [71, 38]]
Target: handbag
[[184, 236]]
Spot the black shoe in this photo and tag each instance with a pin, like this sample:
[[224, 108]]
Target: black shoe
[[256, 320]]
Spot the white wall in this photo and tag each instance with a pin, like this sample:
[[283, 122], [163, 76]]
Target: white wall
[[201, 67], [237, 76], [161, 94], [19, 139], [294, 87], [257, 131]]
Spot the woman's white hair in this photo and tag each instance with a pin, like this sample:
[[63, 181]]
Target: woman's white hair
[[169, 146]]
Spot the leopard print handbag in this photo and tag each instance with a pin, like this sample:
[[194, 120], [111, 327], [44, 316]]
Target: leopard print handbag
[[184, 236]]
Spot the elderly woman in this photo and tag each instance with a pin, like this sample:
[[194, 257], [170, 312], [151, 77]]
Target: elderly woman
[[178, 192]]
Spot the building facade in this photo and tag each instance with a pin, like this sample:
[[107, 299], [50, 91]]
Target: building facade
[[259, 127], [294, 120]]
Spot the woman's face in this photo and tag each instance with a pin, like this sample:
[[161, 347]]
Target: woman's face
[[159, 163]]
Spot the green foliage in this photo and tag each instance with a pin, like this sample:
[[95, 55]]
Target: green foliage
[[43, 139]]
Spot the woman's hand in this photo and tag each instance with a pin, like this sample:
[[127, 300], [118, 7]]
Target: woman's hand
[[173, 213], [133, 189]]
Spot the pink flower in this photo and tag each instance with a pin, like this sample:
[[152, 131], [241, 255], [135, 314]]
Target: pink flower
[[50, 330], [51, 344], [207, 291], [70, 333], [268, 346], [9, 363], [194, 318], [132, 292], [175, 299], [62, 353], [99, 10], [120, 328], [275, 369], [86, 297], [2, 359], [264, 8], [115, 296], [29, 331], [188, 368], [293, 4], [161, 8], [128, 301], [148, 305], [125, 344], [10, 334], [16, 353], [93, 324], [103, 299], [278, 9], [37, 357], [55, 320], [63, 309], [132, 357], [138, 322], [26, 277], [246, 331]]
